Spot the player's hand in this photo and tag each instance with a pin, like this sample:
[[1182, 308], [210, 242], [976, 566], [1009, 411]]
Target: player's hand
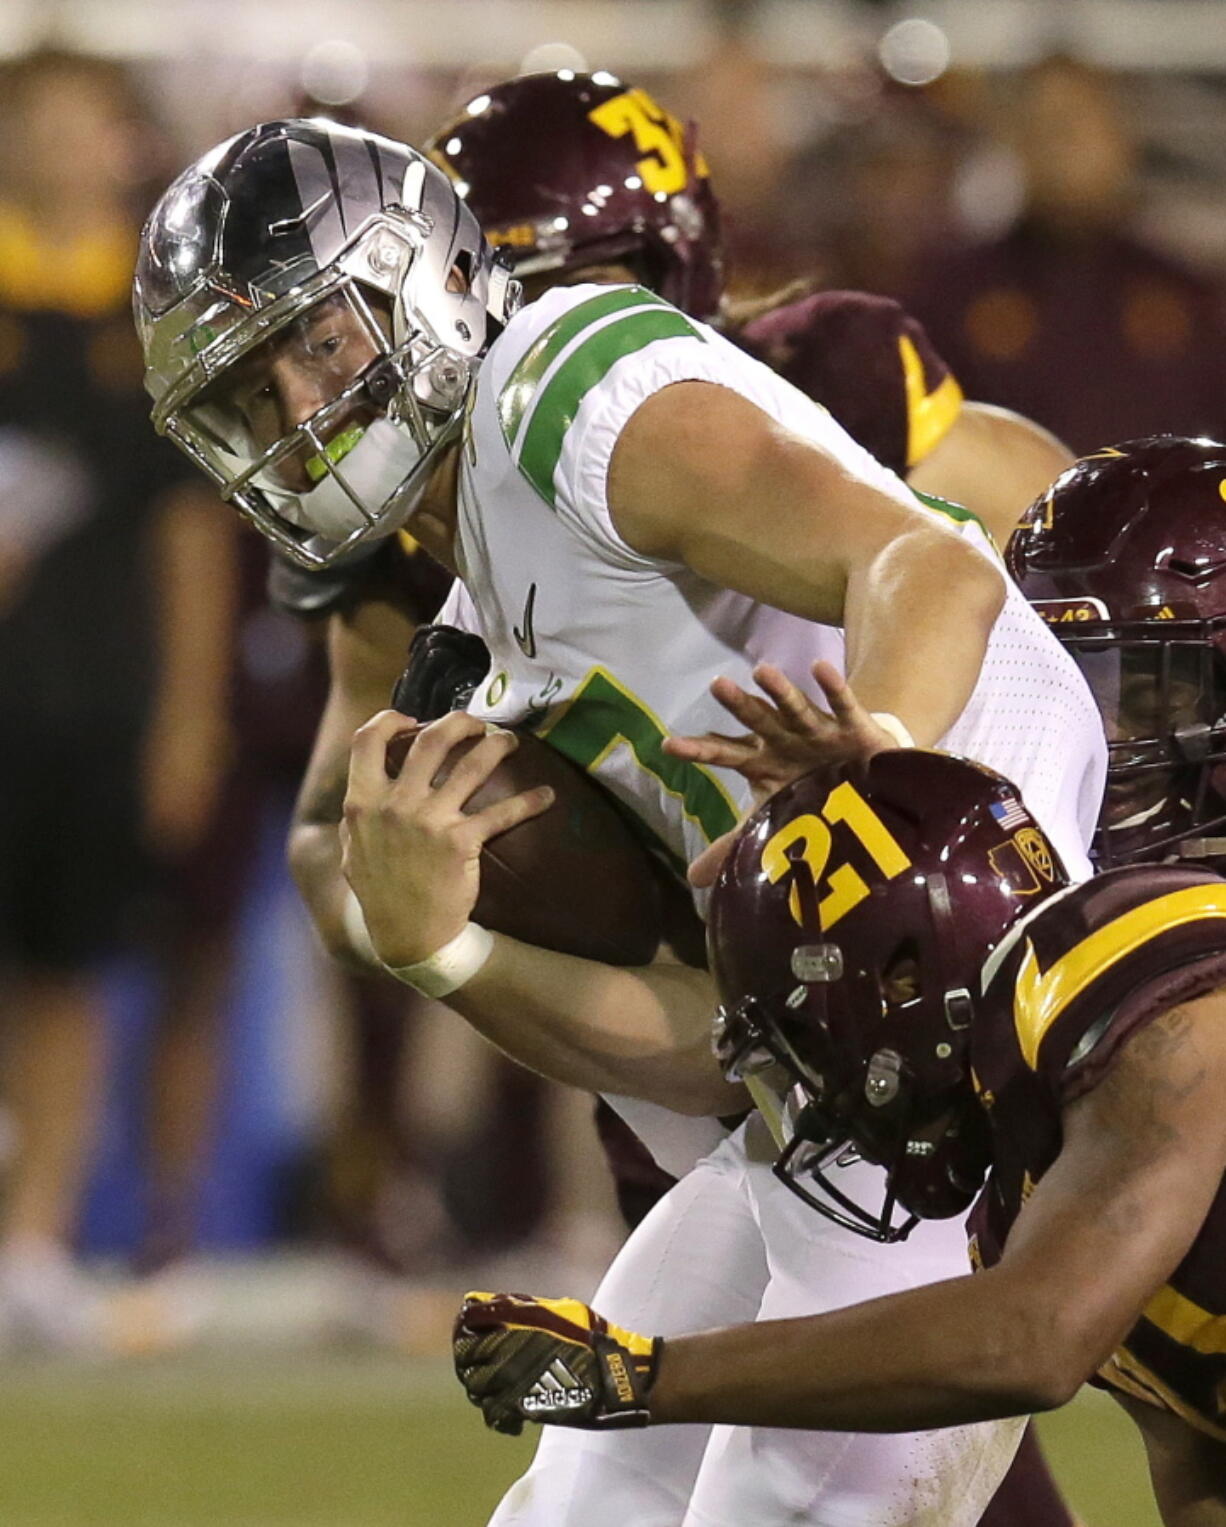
[[789, 735], [555, 1361], [409, 851]]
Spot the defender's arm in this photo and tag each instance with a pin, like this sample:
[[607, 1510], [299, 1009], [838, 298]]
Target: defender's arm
[[1142, 1161], [995, 462]]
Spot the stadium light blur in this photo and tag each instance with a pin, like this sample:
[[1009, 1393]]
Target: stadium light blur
[[914, 52]]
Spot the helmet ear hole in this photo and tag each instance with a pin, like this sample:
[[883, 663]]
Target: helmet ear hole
[[459, 277], [902, 975]]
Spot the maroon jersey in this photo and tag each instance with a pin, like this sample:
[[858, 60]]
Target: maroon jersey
[[870, 363], [1070, 986]]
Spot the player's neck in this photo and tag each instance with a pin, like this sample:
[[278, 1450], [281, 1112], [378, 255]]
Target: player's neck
[[434, 520]]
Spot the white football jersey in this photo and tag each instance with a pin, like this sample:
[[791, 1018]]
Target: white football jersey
[[610, 651]]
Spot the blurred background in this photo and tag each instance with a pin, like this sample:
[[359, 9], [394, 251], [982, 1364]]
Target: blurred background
[[240, 1193]]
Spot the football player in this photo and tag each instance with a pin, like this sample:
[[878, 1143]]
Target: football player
[[1123, 557], [526, 164], [634, 505], [959, 1012]]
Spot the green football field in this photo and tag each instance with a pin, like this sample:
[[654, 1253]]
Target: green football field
[[267, 1439]]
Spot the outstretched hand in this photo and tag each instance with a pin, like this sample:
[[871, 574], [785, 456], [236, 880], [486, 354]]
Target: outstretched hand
[[789, 735]]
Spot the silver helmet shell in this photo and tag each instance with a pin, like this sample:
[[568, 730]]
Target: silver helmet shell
[[251, 240]]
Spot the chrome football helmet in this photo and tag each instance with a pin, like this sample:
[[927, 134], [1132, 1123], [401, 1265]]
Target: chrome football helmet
[[313, 301]]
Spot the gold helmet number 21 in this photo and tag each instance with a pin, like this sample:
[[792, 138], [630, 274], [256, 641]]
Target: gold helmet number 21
[[658, 136], [812, 836]]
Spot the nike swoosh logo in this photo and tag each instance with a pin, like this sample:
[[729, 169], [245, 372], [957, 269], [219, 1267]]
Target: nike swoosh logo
[[527, 637]]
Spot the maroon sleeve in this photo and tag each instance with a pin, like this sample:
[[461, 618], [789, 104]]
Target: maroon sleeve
[[1108, 957], [1142, 1006], [870, 363]]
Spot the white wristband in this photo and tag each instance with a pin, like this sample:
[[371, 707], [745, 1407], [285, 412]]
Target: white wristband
[[353, 920], [450, 967], [890, 723]]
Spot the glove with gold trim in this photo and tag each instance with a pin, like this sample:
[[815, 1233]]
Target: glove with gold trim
[[555, 1361]]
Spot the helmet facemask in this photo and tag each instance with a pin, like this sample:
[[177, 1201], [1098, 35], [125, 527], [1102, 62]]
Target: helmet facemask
[[353, 468], [1161, 688]]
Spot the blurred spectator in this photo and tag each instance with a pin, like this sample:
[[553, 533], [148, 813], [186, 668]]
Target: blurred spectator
[[115, 618], [868, 197], [1069, 317], [745, 145]]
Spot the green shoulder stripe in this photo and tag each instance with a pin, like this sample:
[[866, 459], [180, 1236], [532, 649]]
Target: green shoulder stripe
[[520, 387], [956, 512], [583, 369]]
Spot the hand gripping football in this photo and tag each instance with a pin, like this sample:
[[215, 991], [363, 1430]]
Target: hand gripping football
[[575, 879]]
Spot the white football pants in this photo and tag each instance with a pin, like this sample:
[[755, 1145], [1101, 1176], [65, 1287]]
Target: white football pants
[[731, 1244]]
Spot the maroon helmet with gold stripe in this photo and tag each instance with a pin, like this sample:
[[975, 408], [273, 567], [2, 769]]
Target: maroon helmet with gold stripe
[[1125, 557], [847, 932], [567, 169]]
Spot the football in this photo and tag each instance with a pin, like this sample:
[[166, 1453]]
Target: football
[[575, 879]]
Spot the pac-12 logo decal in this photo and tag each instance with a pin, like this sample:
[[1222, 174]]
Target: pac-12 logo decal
[[1024, 861], [808, 839]]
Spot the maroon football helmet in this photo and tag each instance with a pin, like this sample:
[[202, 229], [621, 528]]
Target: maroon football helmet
[[566, 170], [1125, 556], [847, 931]]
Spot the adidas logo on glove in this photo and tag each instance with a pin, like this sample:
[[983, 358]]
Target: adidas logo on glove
[[556, 1389]]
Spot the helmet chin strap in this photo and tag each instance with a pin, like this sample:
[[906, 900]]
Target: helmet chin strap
[[504, 296]]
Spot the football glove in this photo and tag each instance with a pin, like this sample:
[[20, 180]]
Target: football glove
[[445, 667], [551, 1360]]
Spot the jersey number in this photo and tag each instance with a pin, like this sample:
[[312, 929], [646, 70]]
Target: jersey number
[[602, 715], [658, 136], [809, 839]]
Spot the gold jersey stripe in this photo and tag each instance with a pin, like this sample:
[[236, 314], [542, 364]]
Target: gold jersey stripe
[[1041, 996], [1122, 1371], [930, 415], [1185, 1322]]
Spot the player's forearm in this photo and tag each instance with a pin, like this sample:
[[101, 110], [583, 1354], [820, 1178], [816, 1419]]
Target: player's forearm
[[944, 1355], [918, 618], [644, 1033], [313, 850], [363, 653], [314, 855]]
